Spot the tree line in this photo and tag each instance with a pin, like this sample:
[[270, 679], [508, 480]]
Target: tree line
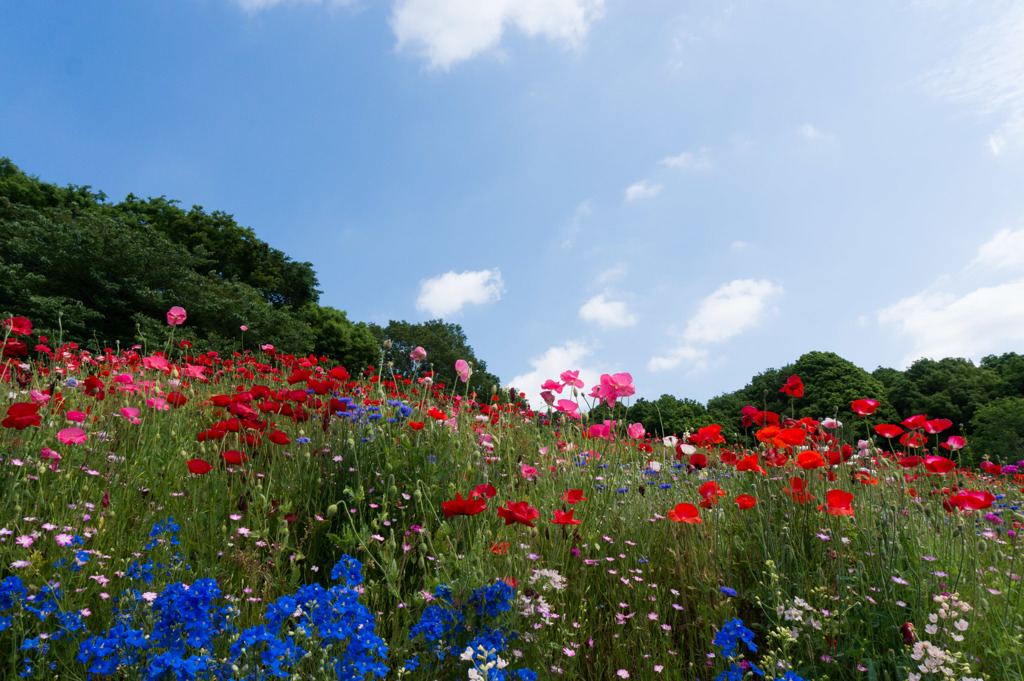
[[104, 274]]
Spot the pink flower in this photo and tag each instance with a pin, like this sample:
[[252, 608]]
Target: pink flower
[[130, 413], [613, 387], [552, 385], [176, 316], [64, 539], [38, 397], [954, 442], [568, 407], [25, 540], [571, 379], [636, 431], [463, 370], [527, 471], [158, 403], [418, 355], [548, 397], [72, 436], [76, 416], [243, 327], [602, 430], [47, 453], [268, 348]]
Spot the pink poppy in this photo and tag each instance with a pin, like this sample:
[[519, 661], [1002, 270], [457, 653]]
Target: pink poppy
[[418, 354], [72, 436], [463, 370], [176, 316]]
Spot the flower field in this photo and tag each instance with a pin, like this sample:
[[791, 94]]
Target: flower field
[[170, 514]]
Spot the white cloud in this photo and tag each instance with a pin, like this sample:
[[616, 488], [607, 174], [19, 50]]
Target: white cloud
[[448, 293], [584, 209], [642, 190], [449, 31], [812, 133], [731, 310], [987, 74], [987, 319], [612, 273], [696, 357], [1003, 251], [550, 365], [608, 314], [689, 159], [738, 245]]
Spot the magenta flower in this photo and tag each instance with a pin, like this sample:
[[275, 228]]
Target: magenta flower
[[636, 431], [552, 385], [72, 436], [614, 387], [463, 370], [243, 327], [418, 355], [176, 316], [548, 397], [568, 407], [571, 379]]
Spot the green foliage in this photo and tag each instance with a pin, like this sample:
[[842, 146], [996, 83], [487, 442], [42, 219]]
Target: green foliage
[[351, 345], [445, 343], [997, 432]]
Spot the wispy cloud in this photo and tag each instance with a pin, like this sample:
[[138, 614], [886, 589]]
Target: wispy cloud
[[987, 75], [448, 293], [689, 159], [608, 314], [642, 190], [1003, 251], [733, 308], [446, 32], [810, 132], [584, 209], [940, 324]]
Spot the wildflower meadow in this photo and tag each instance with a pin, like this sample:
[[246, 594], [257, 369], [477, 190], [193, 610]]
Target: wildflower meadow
[[257, 515]]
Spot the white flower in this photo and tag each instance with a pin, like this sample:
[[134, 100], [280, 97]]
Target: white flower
[[961, 625], [467, 655]]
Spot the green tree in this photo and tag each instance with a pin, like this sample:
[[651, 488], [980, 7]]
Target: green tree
[[445, 343], [351, 345], [997, 432]]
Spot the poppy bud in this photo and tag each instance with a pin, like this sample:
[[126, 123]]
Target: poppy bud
[[388, 344], [417, 496], [907, 631], [332, 510]]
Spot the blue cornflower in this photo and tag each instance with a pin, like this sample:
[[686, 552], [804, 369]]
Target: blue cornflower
[[728, 591]]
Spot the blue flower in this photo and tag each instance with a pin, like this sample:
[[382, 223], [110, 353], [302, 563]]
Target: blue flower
[[728, 591]]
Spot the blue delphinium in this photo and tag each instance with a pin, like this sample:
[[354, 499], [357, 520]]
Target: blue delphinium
[[731, 634]]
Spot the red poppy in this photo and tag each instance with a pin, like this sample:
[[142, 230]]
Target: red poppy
[[462, 506], [970, 500], [711, 489], [199, 467], [685, 513], [499, 549], [888, 431], [563, 518], [794, 387], [747, 416], [938, 464], [706, 436], [698, 461], [936, 426], [19, 326], [990, 468], [518, 512], [909, 461], [750, 463], [915, 422], [797, 491], [865, 478], [176, 399], [745, 501], [21, 415], [483, 492], [864, 407], [838, 502], [279, 437], [913, 439], [13, 349], [762, 418], [437, 414], [810, 460], [416, 425], [574, 496], [234, 457]]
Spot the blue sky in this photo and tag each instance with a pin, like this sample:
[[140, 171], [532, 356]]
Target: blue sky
[[690, 192]]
